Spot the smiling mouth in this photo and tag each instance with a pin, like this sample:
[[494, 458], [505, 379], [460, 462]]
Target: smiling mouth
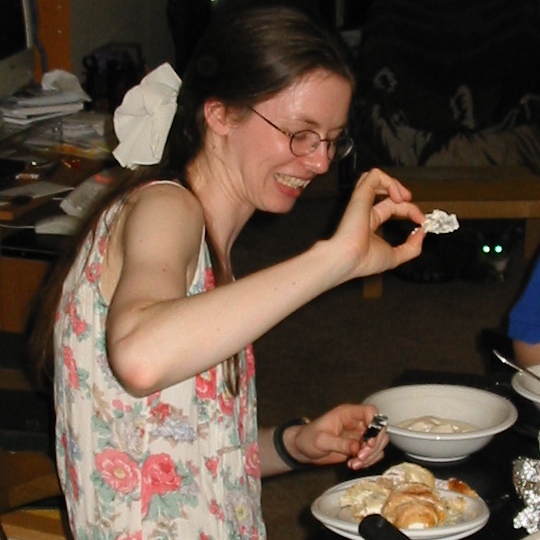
[[291, 181]]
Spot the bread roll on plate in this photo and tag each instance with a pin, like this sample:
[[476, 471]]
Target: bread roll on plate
[[414, 505], [410, 472]]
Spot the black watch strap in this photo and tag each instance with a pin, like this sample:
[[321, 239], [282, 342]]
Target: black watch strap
[[279, 445]]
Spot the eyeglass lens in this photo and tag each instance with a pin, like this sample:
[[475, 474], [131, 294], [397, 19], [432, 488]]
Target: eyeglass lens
[[305, 142]]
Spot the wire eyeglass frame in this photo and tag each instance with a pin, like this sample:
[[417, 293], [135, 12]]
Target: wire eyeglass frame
[[306, 141]]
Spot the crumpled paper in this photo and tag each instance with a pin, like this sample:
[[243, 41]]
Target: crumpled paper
[[144, 118], [526, 476], [66, 83]]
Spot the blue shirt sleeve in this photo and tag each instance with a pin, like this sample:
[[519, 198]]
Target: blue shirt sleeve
[[524, 319]]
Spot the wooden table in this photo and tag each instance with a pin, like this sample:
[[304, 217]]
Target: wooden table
[[472, 193]]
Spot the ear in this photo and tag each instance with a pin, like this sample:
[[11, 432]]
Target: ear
[[217, 117]]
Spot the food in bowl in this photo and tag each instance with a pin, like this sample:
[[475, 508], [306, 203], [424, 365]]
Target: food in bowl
[[435, 424], [409, 497], [488, 412]]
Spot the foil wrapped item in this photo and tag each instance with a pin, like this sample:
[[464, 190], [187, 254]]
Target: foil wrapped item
[[439, 222], [526, 475]]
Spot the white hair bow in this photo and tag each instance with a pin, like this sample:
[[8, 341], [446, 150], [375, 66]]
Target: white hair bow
[[143, 120]]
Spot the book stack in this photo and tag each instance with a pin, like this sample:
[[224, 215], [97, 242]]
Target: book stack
[[31, 106]]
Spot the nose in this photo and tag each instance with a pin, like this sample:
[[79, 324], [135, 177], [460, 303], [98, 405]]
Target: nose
[[318, 161]]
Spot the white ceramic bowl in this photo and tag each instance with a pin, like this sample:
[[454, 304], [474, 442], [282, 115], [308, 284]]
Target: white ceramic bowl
[[488, 412], [528, 386]]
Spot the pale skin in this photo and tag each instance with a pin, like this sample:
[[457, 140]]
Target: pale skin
[[526, 354], [157, 336]]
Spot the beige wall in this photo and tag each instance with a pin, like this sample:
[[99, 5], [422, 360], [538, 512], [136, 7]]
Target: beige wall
[[97, 22]]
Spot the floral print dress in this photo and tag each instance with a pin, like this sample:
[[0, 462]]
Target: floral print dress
[[182, 463]]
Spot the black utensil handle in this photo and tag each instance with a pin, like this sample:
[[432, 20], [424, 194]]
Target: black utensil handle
[[375, 427], [375, 527], [371, 432]]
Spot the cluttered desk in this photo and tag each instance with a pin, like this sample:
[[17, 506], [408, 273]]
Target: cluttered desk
[[50, 174]]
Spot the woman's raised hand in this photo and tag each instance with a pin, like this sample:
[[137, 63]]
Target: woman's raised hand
[[376, 198]]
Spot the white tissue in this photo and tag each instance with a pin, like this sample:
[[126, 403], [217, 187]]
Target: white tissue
[[143, 120]]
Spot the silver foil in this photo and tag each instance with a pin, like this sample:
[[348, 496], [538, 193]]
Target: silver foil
[[526, 474]]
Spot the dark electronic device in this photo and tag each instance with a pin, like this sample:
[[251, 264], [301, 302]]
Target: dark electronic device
[[11, 167], [17, 30], [16, 200]]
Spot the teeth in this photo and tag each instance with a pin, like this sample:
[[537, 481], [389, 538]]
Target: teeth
[[291, 181]]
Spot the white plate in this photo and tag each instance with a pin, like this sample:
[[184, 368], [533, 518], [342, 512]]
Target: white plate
[[527, 386], [535, 536], [327, 510]]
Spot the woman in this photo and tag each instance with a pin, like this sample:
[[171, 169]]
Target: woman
[[154, 371]]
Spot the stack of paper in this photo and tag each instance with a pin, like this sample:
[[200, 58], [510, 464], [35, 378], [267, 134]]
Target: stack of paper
[[60, 94], [85, 134], [23, 114]]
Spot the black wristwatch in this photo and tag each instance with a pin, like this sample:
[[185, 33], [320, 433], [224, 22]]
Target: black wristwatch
[[283, 453]]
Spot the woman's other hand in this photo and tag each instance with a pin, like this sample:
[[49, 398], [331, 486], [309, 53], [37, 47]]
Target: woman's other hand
[[336, 437]]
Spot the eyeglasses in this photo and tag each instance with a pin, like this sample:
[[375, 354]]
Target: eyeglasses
[[306, 141]]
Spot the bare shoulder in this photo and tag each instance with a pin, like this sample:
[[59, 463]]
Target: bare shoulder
[[160, 227], [160, 221], [166, 195], [165, 205]]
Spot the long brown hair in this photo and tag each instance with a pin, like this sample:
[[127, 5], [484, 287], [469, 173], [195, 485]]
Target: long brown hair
[[247, 55]]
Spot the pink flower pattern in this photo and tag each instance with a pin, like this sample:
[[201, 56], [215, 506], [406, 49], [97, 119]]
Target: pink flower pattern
[[212, 466], [253, 466], [71, 368], [158, 477], [135, 536], [93, 272], [161, 412], [129, 465], [118, 470]]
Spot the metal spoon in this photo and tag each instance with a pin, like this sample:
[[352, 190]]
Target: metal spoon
[[515, 366]]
